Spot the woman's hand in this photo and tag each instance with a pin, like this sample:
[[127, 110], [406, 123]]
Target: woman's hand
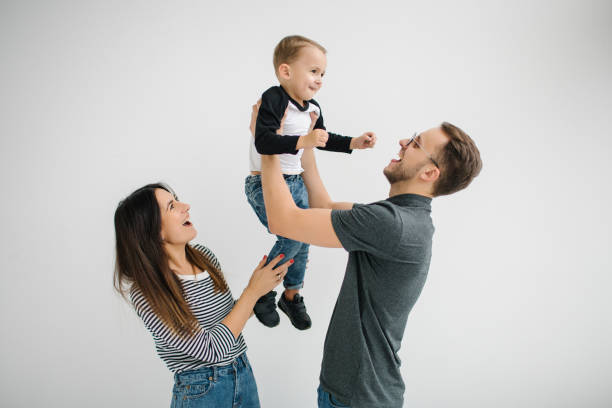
[[265, 278]]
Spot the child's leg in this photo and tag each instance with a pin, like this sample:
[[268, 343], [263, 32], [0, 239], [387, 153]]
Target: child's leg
[[265, 309], [291, 303], [294, 279], [291, 250], [254, 193]]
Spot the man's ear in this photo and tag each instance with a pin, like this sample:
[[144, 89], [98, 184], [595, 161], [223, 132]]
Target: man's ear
[[284, 71], [431, 174]]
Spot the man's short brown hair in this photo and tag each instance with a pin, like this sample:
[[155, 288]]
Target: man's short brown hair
[[459, 161], [288, 49]]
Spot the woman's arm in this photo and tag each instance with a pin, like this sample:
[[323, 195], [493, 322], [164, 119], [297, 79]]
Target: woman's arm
[[263, 280], [214, 344]]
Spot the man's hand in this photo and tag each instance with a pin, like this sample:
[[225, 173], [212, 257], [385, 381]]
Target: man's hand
[[365, 141], [254, 113], [316, 138]]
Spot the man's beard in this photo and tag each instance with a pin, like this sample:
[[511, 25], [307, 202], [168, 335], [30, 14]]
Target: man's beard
[[402, 174]]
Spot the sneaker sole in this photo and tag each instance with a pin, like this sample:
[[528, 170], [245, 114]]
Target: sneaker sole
[[281, 306], [268, 325]]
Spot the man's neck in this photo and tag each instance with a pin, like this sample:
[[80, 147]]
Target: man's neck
[[409, 188]]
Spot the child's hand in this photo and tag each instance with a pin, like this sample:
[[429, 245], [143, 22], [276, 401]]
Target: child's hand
[[316, 138], [365, 141]]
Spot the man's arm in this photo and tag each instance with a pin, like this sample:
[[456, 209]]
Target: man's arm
[[318, 196], [312, 226]]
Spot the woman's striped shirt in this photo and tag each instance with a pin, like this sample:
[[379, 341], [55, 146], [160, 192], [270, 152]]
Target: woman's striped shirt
[[213, 344]]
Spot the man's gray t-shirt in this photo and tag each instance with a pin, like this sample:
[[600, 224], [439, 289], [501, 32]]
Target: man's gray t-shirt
[[389, 244]]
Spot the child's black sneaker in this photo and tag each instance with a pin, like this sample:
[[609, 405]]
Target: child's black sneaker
[[296, 311], [265, 310]]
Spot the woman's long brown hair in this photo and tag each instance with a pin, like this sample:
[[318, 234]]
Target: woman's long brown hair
[[142, 263]]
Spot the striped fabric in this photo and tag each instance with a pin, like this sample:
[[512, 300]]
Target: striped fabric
[[213, 344]]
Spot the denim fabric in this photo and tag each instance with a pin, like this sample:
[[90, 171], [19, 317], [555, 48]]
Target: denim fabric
[[231, 385], [298, 251], [326, 400]]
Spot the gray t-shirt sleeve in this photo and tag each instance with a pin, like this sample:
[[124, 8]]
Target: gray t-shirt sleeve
[[373, 228]]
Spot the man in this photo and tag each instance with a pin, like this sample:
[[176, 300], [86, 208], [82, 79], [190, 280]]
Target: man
[[389, 245]]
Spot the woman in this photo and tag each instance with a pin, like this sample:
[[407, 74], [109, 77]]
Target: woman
[[179, 292]]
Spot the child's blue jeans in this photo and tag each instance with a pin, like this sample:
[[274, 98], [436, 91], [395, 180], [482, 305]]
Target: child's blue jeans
[[298, 251], [231, 385]]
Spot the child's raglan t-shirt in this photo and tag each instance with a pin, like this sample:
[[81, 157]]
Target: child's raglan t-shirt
[[274, 103]]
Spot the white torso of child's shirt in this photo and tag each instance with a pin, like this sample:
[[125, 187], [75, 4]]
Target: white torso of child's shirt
[[297, 123]]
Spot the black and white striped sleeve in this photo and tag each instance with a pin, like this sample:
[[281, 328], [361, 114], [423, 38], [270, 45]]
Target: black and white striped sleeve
[[211, 345]]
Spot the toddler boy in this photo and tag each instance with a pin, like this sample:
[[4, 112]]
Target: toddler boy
[[299, 65]]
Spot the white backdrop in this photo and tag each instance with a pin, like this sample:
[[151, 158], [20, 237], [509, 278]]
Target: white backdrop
[[99, 98]]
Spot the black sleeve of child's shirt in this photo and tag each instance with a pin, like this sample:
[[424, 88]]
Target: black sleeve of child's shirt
[[273, 104], [335, 142]]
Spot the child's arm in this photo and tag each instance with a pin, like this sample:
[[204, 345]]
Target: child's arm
[[335, 142], [314, 138], [271, 112], [345, 144]]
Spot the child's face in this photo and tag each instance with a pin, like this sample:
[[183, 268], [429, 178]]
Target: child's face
[[304, 77]]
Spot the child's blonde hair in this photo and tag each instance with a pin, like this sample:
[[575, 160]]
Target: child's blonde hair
[[288, 48]]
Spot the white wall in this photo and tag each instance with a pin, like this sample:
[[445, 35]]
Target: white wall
[[99, 98]]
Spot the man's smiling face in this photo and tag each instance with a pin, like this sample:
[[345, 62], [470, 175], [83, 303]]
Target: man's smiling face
[[415, 156]]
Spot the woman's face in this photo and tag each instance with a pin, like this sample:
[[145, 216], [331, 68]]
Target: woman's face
[[176, 227]]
